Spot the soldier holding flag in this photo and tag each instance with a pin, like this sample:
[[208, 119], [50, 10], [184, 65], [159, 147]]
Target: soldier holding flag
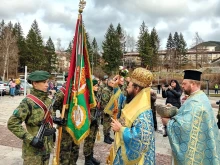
[[78, 97]]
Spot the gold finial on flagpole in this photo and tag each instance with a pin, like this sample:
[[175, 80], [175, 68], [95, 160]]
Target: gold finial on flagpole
[[82, 5]]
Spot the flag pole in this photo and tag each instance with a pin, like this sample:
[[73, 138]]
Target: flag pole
[[56, 159]]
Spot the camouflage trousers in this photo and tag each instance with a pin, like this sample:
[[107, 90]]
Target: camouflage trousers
[[106, 124], [69, 151], [39, 160], [90, 140]]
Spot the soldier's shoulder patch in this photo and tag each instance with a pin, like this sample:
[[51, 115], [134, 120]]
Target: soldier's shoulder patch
[[15, 112], [36, 106]]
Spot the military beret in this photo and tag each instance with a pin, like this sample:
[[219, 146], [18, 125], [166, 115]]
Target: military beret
[[94, 82], [39, 75]]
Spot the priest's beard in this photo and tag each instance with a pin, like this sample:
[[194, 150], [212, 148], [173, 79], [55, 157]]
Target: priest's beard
[[129, 97]]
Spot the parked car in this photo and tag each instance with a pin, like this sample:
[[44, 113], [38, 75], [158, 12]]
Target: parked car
[[60, 84], [6, 85], [22, 86], [2, 89]]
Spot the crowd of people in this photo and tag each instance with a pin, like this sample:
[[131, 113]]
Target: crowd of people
[[126, 106]]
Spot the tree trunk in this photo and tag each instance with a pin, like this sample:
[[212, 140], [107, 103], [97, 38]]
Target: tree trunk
[[5, 62]]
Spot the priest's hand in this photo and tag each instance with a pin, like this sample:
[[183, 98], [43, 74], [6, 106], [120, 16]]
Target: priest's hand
[[165, 120], [116, 125]]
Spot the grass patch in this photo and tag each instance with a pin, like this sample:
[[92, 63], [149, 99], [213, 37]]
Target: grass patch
[[214, 95]]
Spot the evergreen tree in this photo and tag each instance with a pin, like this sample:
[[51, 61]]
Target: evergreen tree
[[89, 49], [35, 46], [176, 50], [183, 50], [169, 54], [112, 53], [69, 50], [70, 47], [176, 41], [143, 46], [155, 43], [22, 47], [96, 56], [170, 42], [50, 55], [121, 35]]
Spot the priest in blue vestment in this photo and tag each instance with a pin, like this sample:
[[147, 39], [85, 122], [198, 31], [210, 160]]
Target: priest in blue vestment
[[134, 134], [193, 132]]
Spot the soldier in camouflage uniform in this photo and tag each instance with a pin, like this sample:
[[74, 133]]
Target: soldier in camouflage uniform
[[68, 149], [35, 151], [102, 85], [107, 92], [122, 98], [90, 139]]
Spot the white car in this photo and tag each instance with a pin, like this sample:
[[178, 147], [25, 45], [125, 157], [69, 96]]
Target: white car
[[2, 88]]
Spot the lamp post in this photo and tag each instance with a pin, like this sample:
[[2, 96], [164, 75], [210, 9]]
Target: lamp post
[[207, 86]]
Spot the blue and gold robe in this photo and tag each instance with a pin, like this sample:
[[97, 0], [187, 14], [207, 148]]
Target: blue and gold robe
[[193, 133], [135, 142]]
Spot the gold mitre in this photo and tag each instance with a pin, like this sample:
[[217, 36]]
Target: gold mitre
[[142, 77]]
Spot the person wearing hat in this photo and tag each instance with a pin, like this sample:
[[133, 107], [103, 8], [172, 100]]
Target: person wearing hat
[[68, 149], [31, 112], [106, 103], [134, 132], [94, 126], [193, 132]]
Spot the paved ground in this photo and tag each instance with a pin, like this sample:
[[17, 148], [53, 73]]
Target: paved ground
[[10, 146]]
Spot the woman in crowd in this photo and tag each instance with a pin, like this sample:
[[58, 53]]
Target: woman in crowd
[[172, 93]]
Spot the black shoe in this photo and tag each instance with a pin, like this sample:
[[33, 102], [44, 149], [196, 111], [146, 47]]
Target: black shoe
[[88, 160], [94, 160], [107, 140]]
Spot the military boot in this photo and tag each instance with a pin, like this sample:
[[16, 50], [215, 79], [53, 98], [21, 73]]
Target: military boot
[[94, 160], [111, 139], [107, 140], [88, 160]]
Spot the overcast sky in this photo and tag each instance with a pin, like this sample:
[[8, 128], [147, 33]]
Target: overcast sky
[[57, 18]]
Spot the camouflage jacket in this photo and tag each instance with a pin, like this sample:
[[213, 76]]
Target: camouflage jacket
[[99, 92], [124, 89], [107, 92], [58, 104], [32, 115]]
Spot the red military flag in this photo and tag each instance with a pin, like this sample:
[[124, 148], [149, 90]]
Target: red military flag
[[79, 96]]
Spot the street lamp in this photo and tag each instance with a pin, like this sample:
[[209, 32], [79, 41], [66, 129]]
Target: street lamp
[[207, 86]]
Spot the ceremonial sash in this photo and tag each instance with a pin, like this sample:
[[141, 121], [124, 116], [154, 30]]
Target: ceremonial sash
[[110, 106], [42, 105], [63, 90]]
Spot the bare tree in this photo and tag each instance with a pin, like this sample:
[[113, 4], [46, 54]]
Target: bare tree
[[9, 52], [130, 43], [58, 44], [199, 49]]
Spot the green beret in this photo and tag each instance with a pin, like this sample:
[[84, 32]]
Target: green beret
[[39, 75], [94, 82]]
